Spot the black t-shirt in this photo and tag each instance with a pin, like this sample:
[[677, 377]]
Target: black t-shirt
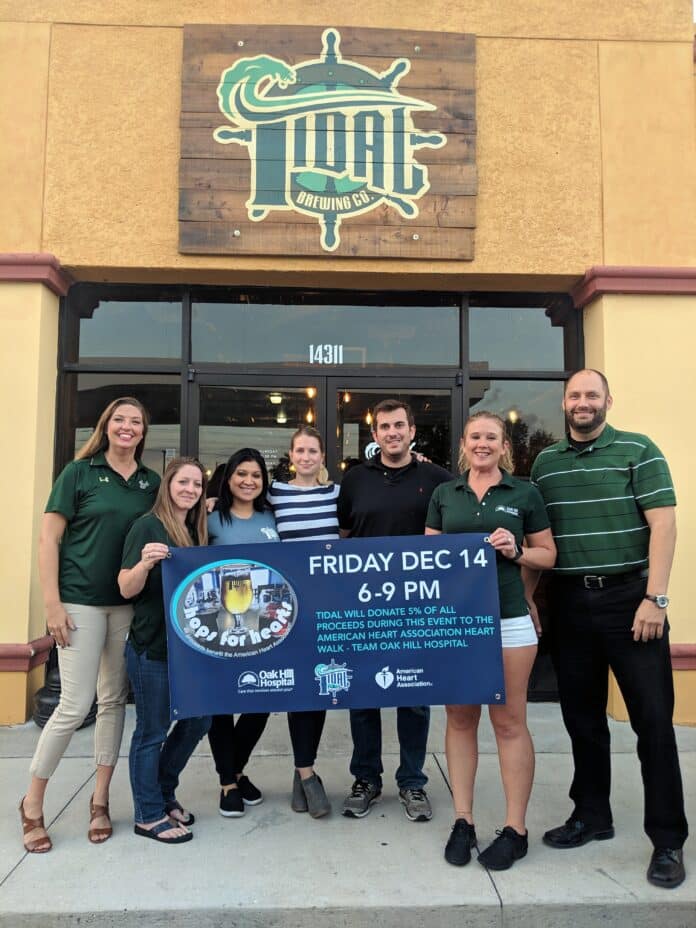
[[376, 500]]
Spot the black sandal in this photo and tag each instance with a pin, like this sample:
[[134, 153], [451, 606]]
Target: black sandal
[[172, 806], [156, 831]]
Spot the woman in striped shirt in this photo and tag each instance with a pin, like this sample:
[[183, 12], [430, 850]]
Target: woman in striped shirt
[[305, 510]]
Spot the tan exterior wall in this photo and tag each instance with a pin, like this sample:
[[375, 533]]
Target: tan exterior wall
[[645, 345], [585, 145], [586, 155]]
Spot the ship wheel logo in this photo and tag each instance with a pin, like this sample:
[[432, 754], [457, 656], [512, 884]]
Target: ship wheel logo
[[327, 138]]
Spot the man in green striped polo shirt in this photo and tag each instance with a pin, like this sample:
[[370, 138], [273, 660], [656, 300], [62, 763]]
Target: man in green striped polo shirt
[[611, 503]]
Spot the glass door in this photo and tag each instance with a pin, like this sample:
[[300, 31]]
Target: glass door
[[228, 412], [232, 412]]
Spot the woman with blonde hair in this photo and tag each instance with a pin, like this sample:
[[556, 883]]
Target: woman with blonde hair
[[305, 510], [487, 498], [92, 505], [158, 755]]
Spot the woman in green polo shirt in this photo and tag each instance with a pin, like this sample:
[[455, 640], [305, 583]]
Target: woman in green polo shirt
[[158, 754], [487, 498], [91, 507]]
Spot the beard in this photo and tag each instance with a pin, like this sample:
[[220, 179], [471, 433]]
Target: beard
[[586, 426]]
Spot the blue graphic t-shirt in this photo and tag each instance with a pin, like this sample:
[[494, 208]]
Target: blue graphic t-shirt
[[260, 527]]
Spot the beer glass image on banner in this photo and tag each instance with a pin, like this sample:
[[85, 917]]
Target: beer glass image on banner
[[234, 608]]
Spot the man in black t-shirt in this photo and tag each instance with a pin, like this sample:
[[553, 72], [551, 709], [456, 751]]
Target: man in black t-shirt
[[385, 496]]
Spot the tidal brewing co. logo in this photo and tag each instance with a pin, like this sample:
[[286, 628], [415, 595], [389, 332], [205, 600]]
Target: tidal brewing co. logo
[[234, 609], [327, 138]]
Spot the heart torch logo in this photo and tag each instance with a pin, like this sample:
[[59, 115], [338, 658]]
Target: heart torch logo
[[384, 678]]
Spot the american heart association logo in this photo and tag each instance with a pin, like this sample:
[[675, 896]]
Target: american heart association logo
[[384, 678]]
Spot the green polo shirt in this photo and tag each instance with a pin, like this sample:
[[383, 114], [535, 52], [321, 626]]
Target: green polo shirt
[[512, 504], [596, 497], [148, 630], [100, 506]]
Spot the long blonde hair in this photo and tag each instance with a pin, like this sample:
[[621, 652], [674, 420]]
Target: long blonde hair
[[195, 529], [506, 461], [98, 440]]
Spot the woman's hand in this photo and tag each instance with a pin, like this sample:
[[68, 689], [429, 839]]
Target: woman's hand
[[59, 625], [153, 552], [210, 504], [504, 541]]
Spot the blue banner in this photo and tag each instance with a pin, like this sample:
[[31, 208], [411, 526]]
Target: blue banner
[[357, 623]]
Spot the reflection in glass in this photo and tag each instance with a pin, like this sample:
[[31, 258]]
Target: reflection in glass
[[159, 394], [532, 410], [119, 329], [432, 410], [248, 417], [359, 336], [513, 339]]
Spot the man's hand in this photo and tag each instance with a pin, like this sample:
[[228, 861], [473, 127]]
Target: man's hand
[[649, 621]]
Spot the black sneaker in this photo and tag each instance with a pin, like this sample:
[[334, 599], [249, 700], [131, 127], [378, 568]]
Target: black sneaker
[[461, 840], [508, 847], [251, 794], [357, 803], [231, 803]]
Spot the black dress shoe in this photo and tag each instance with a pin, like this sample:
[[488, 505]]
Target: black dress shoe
[[576, 833], [666, 868]]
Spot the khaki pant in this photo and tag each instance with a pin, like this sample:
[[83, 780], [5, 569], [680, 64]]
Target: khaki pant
[[95, 661]]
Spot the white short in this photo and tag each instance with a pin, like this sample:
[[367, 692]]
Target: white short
[[518, 632]]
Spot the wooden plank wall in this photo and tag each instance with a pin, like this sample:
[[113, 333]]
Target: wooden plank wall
[[215, 178]]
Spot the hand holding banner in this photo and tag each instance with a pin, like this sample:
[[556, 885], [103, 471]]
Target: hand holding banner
[[359, 623]]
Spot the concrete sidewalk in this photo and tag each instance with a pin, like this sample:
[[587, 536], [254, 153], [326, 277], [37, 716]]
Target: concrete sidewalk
[[276, 868]]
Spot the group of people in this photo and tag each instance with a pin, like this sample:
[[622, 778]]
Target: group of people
[[598, 512]]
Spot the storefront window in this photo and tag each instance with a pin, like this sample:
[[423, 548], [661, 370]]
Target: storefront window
[[510, 339], [131, 329], [160, 395], [531, 409], [325, 335]]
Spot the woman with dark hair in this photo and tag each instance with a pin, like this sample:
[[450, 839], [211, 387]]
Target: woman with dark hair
[[158, 755], [92, 505], [241, 516], [305, 510]]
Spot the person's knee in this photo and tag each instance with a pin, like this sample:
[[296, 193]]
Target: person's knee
[[463, 718], [508, 725]]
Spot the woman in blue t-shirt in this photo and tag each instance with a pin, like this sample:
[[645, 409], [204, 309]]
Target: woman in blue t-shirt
[[241, 516]]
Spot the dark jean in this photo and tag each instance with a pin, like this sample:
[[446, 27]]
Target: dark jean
[[157, 755], [593, 633], [412, 724]]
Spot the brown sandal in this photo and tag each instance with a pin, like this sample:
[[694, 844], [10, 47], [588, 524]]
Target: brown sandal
[[99, 835], [35, 845]]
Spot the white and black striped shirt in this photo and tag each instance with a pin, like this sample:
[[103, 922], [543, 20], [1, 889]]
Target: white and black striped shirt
[[304, 513]]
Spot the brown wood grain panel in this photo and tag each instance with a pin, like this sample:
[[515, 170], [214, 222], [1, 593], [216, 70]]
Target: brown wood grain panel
[[356, 240], [230, 206], [304, 42], [199, 143], [450, 104], [215, 178], [424, 74], [209, 173]]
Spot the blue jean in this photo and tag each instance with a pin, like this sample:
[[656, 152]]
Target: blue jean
[[157, 755], [412, 725]]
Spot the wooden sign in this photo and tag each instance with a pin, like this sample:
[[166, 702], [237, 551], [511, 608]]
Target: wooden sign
[[299, 140]]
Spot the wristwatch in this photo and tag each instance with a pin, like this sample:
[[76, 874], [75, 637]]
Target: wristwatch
[[518, 553], [661, 601]]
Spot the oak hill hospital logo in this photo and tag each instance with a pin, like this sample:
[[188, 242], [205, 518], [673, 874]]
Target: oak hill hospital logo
[[327, 138]]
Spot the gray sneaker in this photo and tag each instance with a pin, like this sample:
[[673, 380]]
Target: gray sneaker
[[416, 804], [298, 803], [357, 803]]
